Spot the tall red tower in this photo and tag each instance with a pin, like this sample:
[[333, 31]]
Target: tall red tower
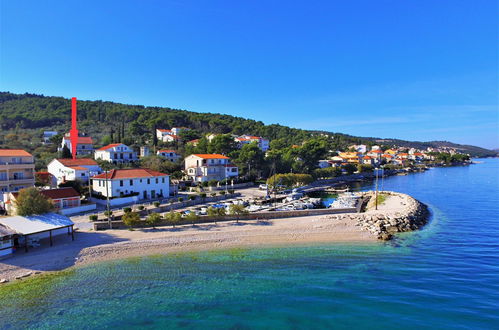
[[73, 133]]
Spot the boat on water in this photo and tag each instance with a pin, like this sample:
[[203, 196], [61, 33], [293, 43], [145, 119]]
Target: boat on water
[[345, 200]]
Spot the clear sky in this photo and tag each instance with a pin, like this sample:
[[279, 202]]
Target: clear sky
[[418, 70]]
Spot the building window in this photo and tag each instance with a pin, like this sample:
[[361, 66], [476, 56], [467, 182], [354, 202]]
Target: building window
[[148, 181], [163, 180], [156, 180], [131, 182], [121, 183]]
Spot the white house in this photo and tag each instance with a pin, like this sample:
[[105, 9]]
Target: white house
[[83, 147], [116, 153], [263, 144], [169, 135], [177, 130], [145, 151], [205, 167], [144, 183], [362, 148], [66, 169], [171, 155], [47, 135]]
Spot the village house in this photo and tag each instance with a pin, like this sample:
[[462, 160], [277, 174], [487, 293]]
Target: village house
[[62, 198], [177, 130], [194, 142], [17, 170], [141, 182], [263, 144], [116, 153], [169, 154], [351, 157], [83, 147], [145, 151], [323, 163], [362, 148], [375, 154], [170, 135], [367, 160], [47, 135], [66, 169], [206, 167]]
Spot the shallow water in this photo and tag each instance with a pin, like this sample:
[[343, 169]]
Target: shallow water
[[445, 276]]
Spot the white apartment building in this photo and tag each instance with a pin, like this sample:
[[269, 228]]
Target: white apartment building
[[73, 169], [205, 167], [171, 155], [116, 153], [17, 170], [144, 182]]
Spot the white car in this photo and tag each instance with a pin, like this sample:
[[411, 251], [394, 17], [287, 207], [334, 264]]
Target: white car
[[263, 187]]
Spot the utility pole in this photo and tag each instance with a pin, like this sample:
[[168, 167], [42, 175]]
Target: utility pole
[[108, 211], [376, 193]]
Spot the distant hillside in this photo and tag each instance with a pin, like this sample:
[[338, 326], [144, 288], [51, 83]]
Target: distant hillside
[[34, 113]]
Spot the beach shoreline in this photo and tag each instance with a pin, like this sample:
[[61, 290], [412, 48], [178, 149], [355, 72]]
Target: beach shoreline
[[91, 247]]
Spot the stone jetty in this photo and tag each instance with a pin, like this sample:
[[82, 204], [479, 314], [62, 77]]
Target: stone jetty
[[398, 213]]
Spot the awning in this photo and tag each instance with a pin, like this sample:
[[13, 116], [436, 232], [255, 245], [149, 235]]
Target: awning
[[36, 223]]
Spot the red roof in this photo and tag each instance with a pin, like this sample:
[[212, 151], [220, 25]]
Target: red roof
[[14, 153], [60, 193], [129, 174], [367, 157], [76, 162], [56, 193], [164, 130], [79, 168], [167, 150], [109, 146], [211, 156], [194, 141], [81, 139], [377, 151]]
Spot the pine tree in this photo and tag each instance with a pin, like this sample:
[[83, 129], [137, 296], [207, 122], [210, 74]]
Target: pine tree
[[65, 153]]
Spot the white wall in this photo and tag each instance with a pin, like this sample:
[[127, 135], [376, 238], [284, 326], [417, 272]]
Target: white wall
[[149, 185]]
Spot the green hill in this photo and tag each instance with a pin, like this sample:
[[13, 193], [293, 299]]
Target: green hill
[[23, 118]]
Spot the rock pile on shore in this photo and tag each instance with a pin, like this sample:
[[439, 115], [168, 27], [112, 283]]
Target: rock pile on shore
[[408, 215]]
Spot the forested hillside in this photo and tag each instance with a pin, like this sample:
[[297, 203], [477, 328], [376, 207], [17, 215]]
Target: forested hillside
[[24, 117]]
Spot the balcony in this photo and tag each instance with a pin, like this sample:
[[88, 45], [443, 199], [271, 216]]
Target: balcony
[[12, 166]]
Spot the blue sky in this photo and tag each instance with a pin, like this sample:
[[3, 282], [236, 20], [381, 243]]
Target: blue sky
[[418, 70]]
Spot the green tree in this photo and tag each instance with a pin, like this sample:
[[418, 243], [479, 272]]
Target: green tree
[[350, 168], [154, 219], [237, 210], [192, 217], [251, 160], [30, 201], [65, 153], [173, 218], [222, 144], [131, 219]]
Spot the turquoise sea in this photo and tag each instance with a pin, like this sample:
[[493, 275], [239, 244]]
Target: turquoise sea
[[445, 276]]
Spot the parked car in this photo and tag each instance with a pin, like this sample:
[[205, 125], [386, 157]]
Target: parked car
[[263, 187]]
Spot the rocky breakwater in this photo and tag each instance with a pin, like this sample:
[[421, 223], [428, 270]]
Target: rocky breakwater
[[396, 213]]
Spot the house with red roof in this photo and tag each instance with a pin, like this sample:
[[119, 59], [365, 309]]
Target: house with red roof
[[116, 153], [85, 145], [17, 170], [263, 144], [206, 167], [67, 169], [62, 198], [141, 182], [169, 135]]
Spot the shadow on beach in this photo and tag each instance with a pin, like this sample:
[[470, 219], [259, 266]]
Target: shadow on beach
[[61, 255]]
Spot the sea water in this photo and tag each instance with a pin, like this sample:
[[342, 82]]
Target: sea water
[[444, 276]]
